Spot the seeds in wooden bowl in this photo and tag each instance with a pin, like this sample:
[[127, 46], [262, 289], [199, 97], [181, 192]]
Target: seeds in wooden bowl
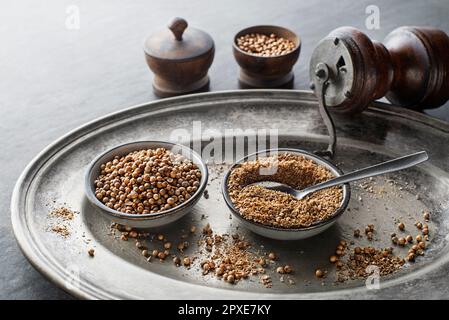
[[274, 208], [147, 181], [265, 45]]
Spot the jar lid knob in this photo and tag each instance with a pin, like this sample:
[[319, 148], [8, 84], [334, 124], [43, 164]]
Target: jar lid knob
[[177, 26]]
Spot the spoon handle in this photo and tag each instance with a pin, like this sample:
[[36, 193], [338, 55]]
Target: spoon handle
[[378, 169]]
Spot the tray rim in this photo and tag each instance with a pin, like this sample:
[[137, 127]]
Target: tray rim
[[21, 230]]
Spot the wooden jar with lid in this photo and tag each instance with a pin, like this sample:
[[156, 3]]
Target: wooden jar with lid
[[180, 58], [410, 68]]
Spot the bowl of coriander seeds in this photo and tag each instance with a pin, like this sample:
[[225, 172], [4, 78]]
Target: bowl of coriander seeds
[[266, 55], [278, 215], [146, 184]]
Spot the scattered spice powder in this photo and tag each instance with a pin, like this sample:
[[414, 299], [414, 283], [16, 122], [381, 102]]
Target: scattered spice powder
[[276, 208], [147, 181], [63, 213], [356, 266], [61, 229], [60, 224]]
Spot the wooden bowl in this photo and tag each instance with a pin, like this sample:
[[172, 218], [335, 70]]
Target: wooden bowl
[[266, 72]]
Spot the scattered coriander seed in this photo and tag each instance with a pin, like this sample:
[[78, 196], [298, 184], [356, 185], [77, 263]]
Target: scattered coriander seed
[[401, 226], [357, 233], [409, 238], [422, 245], [133, 234], [411, 257], [161, 255], [145, 253], [426, 215], [177, 261], [288, 269], [418, 225], [186, 261], [280, 270], [402, 241], [230, 278], [418, 238], [181, 246], [160, 237], [167, 245], [319, 273], [333, 259], [425, 231], [192, 229], [395, 240], [155, 253], [139, 245], [272, 256], [91, 252]]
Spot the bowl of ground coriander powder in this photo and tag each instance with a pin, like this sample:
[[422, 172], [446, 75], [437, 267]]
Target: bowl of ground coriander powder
[[278, 215]]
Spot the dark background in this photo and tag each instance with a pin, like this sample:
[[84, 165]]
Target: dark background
[[53, 79]]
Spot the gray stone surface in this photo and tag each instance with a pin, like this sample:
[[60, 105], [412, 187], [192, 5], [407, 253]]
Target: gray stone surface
[[54, 79]]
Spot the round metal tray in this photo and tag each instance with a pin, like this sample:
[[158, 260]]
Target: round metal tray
[[55, 177]]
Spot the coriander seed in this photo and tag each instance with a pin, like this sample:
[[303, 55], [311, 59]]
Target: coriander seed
[[265, 45]]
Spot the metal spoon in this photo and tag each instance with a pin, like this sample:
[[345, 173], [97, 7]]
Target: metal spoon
[[378, 169]]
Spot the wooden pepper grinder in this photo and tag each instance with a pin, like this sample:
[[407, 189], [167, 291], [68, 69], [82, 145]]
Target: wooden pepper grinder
[[410, 68], [180, 58]]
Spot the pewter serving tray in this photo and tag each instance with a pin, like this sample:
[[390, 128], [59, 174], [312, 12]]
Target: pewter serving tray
[[118, 270]]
